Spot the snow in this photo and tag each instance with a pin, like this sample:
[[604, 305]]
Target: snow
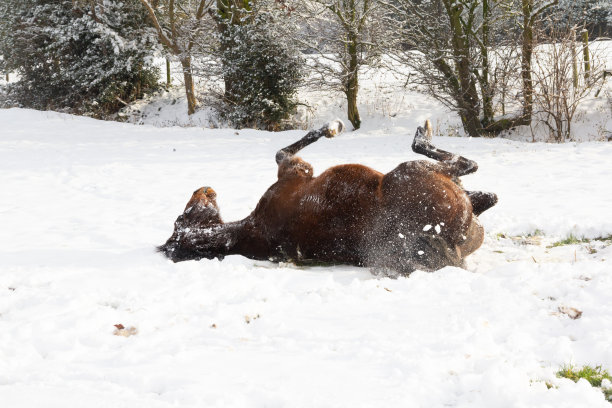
[[85, 202]]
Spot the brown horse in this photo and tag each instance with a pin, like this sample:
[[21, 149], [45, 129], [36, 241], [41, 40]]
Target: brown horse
[[415, 217]]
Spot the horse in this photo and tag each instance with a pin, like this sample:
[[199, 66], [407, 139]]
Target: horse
[[417, 216]]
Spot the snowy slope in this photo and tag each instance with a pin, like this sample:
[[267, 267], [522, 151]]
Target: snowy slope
[[84, 203]]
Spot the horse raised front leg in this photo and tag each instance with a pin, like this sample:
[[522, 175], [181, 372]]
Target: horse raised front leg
[[330, 130]]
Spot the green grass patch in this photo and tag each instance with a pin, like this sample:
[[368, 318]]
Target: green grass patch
[[570, 240], [594, 375], [573, 240], [536, 233], [607, 239]]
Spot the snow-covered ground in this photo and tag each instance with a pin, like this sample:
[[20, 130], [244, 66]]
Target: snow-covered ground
[[84, 203]]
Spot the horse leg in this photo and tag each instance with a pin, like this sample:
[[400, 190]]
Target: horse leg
[[330, 130], [481, 201], [453, 164]]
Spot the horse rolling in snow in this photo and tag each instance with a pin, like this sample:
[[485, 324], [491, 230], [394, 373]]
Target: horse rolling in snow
[[417, 216]]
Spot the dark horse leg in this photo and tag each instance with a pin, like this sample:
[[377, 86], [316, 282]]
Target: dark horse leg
[[481, 201], [454, 165], [330, 130]]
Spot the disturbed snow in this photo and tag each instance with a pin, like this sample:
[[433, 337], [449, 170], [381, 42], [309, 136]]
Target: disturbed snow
[[84, 203]]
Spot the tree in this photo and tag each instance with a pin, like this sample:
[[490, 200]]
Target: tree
[[594, 15], [230, 16], [86, 56], [448, 44], [531, 12], [561, 82], [559, 90], [345, 35], [261, 71], [461, 49], [180, 25], [253, 56]]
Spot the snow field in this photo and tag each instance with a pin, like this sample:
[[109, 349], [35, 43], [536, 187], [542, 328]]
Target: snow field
[[85, 202]]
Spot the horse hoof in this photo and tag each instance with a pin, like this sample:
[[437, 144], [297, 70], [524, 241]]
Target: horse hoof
[[333, 128], [428, 130]]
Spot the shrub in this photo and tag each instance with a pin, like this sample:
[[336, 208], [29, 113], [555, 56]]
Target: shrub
[[83, 57], [262, 72]]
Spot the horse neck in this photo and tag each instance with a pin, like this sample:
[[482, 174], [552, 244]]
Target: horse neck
[[237, 237], [215, 240]]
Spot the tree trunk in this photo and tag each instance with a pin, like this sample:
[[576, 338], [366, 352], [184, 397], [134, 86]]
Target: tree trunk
[[526, 57], [352, 112], [168, 77], [228, 79], [189, 88], [585, 54], [467, 99], [485, 86], [471, 122], [574, 59], [352, 84]]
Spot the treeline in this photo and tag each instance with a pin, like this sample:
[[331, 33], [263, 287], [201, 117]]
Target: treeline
[[95, 56]]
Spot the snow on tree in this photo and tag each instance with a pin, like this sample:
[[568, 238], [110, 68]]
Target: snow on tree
[[85, 56], [346, 36], [261, 68], [181, 26], [463, 53], [594, 15]]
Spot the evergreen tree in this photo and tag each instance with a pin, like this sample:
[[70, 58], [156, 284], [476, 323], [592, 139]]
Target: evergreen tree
[[594, 15], [261, 69], [82, 56]]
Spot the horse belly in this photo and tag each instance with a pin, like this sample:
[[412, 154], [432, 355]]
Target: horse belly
[[334, 214]]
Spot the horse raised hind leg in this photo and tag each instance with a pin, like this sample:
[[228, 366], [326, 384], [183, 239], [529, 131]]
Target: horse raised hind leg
[[427, 220], [454, 165]]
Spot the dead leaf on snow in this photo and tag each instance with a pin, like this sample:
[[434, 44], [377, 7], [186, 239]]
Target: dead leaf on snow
[[572, 312], [121, 330], [248, 318]]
